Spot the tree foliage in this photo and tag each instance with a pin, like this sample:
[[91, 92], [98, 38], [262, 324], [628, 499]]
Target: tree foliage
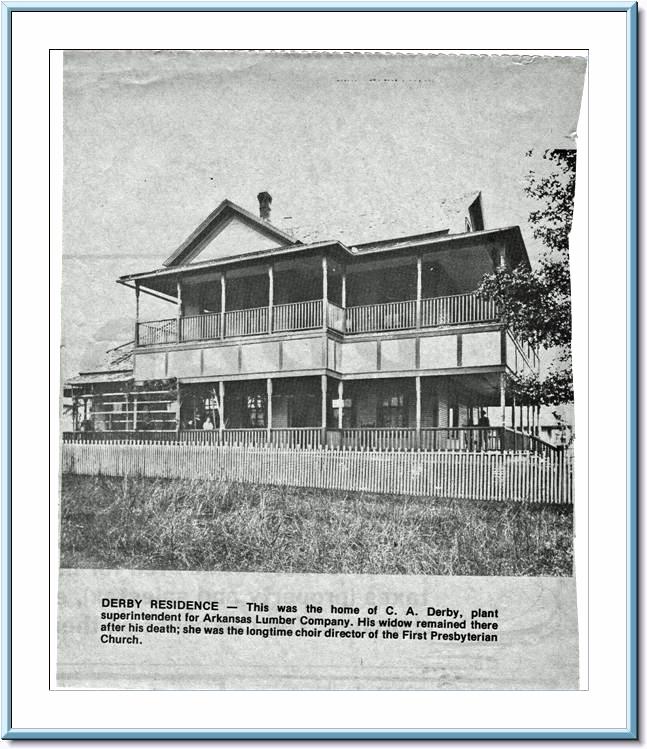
[[536, 303]]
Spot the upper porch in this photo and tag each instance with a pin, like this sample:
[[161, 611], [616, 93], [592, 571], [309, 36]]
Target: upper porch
[[420, 283]]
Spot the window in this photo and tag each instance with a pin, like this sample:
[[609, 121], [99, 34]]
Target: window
[[256, 410], [392, 412]]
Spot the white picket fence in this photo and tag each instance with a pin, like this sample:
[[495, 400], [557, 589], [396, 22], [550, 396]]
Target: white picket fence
[[517, 476]]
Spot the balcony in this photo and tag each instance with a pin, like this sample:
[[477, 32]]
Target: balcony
[[459, 309]]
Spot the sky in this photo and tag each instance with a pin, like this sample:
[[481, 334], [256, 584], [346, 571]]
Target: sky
[[354, 146]]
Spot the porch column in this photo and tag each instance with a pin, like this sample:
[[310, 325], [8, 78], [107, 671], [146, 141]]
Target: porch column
[[521, 421], [223, 299], [343, 298], [340, 398], [269, 408], [324, 410], [135, 412], [324, 304], [221, 408], [418, 410], [136, 313], [503, 260], [179, 311], [270, 300], [178, 407], [418, 290], [502, 404], [514, 420]]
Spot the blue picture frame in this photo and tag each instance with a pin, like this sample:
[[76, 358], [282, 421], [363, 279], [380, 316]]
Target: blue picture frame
[[12, 7]]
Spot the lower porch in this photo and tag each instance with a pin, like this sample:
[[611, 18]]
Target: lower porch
[[464, 413]]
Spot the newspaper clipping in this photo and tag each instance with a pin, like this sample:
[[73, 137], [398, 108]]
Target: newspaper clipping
[[317, 404]]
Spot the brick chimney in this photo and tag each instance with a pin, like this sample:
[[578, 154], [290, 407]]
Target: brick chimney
[[264, 205]]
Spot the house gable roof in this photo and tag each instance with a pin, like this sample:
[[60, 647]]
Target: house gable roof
[[228, 214]]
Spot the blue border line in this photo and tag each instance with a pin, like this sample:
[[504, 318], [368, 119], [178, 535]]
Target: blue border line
[[319, 5], [300, 734], [632, 416], [6, 372], [631, 8]]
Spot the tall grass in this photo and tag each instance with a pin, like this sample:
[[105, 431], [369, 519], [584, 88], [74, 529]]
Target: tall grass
[[198, 525]]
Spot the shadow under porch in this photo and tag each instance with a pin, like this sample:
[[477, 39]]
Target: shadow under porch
[[287, 412], [466, 413]]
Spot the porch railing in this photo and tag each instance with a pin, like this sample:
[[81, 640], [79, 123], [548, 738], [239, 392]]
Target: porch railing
[[336, 317], [242, 322], [296, 437], [122, 435], [462, 439], [456, 309], [297, 316], [157, 332], [308, 315], [439, 438], [368, 318], [456, 439], [515, 440], [200, 327]]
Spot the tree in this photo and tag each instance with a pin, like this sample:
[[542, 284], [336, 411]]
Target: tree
[[536, 304]]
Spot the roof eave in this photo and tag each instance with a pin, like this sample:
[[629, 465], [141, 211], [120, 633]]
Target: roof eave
[[398, 246], [208, 264]]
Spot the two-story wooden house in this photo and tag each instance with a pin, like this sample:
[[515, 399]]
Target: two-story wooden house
[[379, 345]]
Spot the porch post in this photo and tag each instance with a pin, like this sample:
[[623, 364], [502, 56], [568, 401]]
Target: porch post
[[223, 299], [340, 397], [343, 288], [324, 410], [135, 412], [521, 422], [179, 311], [178, 408], [270, 300], [269, 409], [418, 410], [514, 419], [136, 313], [324, 305], [418, 290], [221, 410], [503, 260], [502, 404]]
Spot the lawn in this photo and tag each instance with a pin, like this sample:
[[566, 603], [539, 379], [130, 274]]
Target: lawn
[[198, 525]]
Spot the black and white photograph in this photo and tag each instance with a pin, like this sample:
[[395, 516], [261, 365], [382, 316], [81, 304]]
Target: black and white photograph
[[316, 321]]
